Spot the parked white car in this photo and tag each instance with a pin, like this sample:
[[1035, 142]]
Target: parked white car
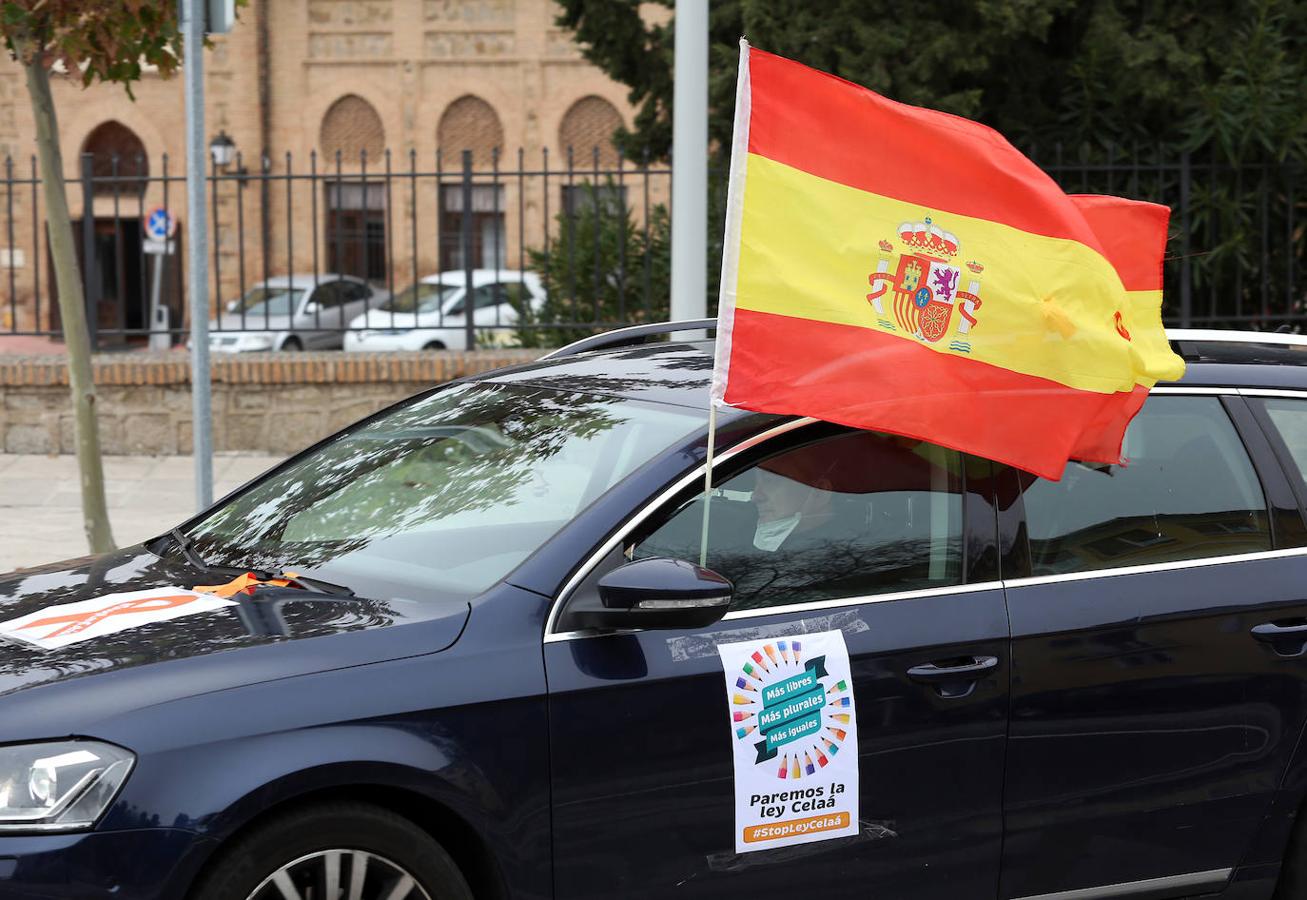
[[431, 315], [292, 312]]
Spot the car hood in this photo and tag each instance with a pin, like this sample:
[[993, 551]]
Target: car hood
[[273, 633]]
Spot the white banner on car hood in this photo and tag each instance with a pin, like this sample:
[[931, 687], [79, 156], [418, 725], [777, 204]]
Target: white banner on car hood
[[794, 733], [70, 623]]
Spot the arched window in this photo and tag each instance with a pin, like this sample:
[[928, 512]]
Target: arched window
[[588, 126], [118, 161], [470, 123], [587, 134], [355, 232], [351, 128]]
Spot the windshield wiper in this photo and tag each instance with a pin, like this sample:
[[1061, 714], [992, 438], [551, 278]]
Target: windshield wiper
[[184, 544], [324, 587]]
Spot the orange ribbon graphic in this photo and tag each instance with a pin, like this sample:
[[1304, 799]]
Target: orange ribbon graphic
[[246, 583], [74, 623]]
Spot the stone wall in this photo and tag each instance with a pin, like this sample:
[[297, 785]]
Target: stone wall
[[265, 403]]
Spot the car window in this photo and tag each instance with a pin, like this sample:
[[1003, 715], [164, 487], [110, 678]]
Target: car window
[[449, 492], [514, 293], [482, 297], [267, 301], [421, 297], [1188, 490], [856, 514], [329, 294], [490, 295], [352, 291], [1290, 419]]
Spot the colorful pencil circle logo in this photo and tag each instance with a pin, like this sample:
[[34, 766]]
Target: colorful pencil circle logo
[[790, 709]]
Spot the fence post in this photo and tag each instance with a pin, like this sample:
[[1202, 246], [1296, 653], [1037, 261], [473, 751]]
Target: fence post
[[90, 283], [1186, 272], [466, 225]]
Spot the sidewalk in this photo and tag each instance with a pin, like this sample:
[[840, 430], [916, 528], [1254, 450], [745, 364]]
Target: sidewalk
[[41, 504]]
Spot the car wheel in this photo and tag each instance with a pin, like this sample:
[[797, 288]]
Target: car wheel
[[343, 850], [292, 344], [434, 345]]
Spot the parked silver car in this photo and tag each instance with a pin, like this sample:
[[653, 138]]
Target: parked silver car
[[432, 314], [293, 312]]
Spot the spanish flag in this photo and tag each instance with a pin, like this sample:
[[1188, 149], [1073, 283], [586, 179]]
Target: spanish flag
[[905, 270]]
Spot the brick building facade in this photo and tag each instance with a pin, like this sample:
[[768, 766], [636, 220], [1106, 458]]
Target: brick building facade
[[335, 86]]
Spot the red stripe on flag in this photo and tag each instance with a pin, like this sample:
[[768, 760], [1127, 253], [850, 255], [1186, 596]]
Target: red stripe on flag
[[916, 155], [866, 379], [1132, 234]]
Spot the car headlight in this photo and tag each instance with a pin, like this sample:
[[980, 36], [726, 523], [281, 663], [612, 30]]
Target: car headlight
[[59, 786]]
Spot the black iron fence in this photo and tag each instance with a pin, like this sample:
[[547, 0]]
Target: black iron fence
[[473, 252], [1237, 243], [380, 253]]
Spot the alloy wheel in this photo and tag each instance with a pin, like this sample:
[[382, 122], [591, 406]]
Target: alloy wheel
[[340, 874]]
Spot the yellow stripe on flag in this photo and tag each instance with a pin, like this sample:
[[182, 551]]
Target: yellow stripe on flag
[[1049, 305]]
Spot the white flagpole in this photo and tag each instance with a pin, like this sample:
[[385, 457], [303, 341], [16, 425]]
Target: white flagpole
[[707, 481], [730, 273]]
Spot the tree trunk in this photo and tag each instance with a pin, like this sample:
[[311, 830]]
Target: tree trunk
[[72, 308]]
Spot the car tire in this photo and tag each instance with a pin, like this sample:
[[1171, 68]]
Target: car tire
[[434, 345], [292, 345], [387, 848]]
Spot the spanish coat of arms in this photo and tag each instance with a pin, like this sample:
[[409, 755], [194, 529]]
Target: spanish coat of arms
[[923, 286]]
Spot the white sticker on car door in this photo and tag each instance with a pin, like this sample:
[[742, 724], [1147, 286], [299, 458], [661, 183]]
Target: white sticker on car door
[[794, 734]]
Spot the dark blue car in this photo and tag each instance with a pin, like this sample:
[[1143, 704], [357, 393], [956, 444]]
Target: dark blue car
[[496, 673]]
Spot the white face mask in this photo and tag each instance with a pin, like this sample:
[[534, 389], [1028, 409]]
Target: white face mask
[[770, 535]]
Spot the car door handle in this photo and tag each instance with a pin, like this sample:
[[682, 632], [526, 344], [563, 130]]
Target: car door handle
[[956, 678], [1288, 637], [968, 668]]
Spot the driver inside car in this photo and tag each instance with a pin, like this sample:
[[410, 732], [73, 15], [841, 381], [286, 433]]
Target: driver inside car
[[794, 509]]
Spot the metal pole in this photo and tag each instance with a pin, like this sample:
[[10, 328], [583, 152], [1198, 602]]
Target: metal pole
[[690, 162], [465, 222], [197, 252], [90, 265]]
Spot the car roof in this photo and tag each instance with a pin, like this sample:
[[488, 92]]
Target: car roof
[[676, 372], [680, 372], [1242, 359]]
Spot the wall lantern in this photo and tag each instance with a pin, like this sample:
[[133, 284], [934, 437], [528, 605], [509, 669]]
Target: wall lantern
[[223, 150]]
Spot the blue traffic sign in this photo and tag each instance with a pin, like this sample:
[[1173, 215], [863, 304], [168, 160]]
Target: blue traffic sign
[[159, 225]]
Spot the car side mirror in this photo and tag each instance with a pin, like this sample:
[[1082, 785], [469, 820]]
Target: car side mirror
[[658, 593], [312, 308], [232, 306]]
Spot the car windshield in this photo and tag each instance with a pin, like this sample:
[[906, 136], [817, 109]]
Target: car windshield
[[268, 301], [446, 494], [421, 297]]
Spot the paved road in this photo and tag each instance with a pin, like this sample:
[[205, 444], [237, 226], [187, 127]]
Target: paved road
[[41, 505]]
